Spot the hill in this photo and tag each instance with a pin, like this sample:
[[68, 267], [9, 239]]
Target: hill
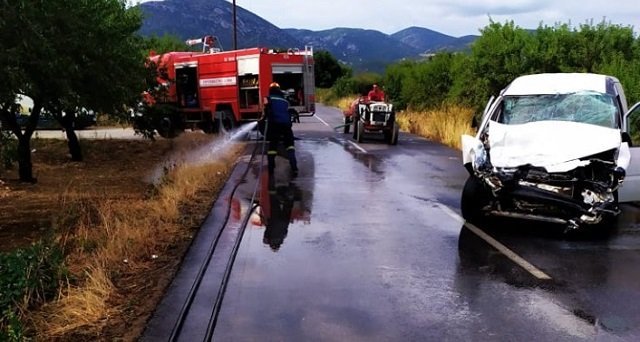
[[196, 18], [358, 48], [362, 49], [427, 41]]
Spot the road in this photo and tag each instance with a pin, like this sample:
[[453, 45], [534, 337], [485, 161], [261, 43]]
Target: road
[[367, 244]]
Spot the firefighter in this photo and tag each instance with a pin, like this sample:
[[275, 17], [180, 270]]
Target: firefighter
[[376, 94], [276, 112]]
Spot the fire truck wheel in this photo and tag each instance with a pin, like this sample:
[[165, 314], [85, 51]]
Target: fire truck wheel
[[167, 128], [295, 117], [347, 125], [227, 123], [360, 134]]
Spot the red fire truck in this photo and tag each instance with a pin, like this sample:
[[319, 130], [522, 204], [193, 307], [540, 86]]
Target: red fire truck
[[221, 89]]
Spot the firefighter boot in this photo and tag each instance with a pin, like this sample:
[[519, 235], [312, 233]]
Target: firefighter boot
[[291, 152]]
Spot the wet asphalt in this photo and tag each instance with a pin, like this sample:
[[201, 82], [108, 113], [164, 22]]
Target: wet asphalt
[[366, 244]]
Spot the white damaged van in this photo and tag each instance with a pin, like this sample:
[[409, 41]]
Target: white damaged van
[[554, 148]]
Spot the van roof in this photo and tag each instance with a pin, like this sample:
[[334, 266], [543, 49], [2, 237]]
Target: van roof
[[560, 83]]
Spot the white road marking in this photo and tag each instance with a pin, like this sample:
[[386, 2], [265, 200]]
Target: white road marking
[[357, 146], [319, 118], [536, 272], [351, 142], [449, 212]]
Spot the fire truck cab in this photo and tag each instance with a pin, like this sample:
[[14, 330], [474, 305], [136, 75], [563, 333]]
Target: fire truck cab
[[221, 89]]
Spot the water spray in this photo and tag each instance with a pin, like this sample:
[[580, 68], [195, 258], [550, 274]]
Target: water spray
[[201, 155]]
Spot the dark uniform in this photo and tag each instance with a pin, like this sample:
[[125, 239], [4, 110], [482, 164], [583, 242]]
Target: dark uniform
[[279, 214], [279, 129], [277, 223]]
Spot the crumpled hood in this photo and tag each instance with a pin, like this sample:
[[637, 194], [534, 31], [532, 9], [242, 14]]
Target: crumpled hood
[[548, 143]]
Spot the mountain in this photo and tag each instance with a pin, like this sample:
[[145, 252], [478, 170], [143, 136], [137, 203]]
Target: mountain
[[421, 38], [196, 18], [459, 44], [363, 50], [426, 40], [356, 47]]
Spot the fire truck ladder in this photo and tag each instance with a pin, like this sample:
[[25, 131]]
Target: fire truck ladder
[[208, 44]]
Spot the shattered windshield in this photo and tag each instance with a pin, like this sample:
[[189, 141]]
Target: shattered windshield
[[585, 107]]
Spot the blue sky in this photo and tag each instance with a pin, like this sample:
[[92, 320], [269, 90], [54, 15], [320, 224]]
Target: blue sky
[[452, 17]]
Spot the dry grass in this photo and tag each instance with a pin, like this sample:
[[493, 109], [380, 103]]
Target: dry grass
[[344, 102], [326, 96], [78, 307], [108, 240], [445, 125]]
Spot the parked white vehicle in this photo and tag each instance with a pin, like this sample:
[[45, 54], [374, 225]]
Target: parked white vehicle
[[554, 148]]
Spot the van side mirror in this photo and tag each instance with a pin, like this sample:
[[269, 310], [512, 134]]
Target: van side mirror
[[626, 138]]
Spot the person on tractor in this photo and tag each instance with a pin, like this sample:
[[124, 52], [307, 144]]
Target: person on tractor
[[376, 94], [276, 112]]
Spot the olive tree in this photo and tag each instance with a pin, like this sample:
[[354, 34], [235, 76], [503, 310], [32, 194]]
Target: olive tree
[[327, 69], [67, 55]]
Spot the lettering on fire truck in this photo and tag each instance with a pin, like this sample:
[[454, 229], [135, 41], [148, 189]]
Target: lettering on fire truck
[[217, 82]]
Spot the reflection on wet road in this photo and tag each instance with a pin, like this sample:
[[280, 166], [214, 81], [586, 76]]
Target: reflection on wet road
[[595, 275], [365, 246]]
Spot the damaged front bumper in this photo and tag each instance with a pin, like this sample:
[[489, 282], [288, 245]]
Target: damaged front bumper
[[584, 196], [565, 173]]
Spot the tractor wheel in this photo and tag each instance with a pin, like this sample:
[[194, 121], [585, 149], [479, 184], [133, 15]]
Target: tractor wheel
[[347, 125], [360, 133], [355, 119], [393, 136]]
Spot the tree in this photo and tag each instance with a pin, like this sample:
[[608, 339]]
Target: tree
[[327, 69], [506, 51], [163, 44], [430, 82], [395, 78], [12, 15], [502, 53], [68, 55]]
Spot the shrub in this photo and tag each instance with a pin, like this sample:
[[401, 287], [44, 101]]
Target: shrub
[[8, 150], [360, 84], [30, 276]]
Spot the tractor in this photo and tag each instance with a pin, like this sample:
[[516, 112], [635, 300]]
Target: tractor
[[371, 117]]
